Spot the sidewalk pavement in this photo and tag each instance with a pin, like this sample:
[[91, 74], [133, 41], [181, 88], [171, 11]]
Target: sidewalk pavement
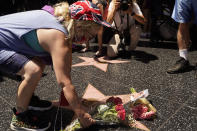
[[173, 95]]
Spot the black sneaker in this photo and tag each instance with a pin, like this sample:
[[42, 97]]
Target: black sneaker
[[39, 105], [28, 121], [179, 66]]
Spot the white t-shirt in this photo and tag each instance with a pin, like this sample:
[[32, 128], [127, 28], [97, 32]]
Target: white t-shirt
[[121, 25]]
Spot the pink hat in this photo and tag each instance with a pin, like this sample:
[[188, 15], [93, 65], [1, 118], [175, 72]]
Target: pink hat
[[85, 10]]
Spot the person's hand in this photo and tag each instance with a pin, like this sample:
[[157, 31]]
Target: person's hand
[[85, 119], [116, 4]]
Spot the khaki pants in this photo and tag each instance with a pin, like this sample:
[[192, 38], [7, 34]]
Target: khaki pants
[[135, 32]]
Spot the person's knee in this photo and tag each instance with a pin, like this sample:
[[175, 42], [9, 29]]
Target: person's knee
[[135, 32], [33, 70]]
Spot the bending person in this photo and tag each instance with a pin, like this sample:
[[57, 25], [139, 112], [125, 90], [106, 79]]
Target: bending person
[[27, 38]]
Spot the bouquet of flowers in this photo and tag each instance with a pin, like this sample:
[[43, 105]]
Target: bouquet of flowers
[[140, 106], [111, 112]]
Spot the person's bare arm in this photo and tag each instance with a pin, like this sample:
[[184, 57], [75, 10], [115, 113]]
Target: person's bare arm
[[183, 36], [112, 12], [61, 53], [135, 11], [140, 18]]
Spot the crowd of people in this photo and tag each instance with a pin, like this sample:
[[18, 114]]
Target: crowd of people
[[30, 40]]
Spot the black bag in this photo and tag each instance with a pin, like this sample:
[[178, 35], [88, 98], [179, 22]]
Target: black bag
[[108, 33], [127, 37]]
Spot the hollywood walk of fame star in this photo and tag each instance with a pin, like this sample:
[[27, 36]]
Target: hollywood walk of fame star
[[100, 63], [91, 93]]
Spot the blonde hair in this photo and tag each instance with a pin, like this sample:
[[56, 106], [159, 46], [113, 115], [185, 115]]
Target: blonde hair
[[61, 12]]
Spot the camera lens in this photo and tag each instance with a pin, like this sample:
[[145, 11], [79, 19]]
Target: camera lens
[[124, 5]]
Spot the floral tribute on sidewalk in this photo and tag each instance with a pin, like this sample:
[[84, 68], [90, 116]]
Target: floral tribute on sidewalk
[[109, 110], [110, 113]]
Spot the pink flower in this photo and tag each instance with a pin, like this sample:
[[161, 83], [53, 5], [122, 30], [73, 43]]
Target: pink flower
[[146, 115], [135, 115], [119, 107], [122, 114], [141, 111]]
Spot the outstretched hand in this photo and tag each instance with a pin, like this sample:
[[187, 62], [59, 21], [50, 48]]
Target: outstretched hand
[[84, 118]]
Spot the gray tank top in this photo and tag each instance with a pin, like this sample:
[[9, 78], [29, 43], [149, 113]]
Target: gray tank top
[[14, 26]]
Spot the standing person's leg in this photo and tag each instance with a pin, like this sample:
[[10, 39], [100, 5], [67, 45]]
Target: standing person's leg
[[135, 32], [155, 12], [146, 12], [100, 43], [183, 39]]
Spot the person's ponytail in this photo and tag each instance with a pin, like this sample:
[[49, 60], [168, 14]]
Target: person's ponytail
[[61, 12]]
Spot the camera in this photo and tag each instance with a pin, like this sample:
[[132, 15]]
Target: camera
[[124, 4]]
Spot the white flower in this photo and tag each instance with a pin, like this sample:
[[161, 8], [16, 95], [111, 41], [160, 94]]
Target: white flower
[[102, 108]]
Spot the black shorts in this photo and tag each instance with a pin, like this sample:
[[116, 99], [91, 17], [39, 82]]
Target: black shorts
[[14, 64]]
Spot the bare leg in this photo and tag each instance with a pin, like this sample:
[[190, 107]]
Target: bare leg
[[31, 73], [183, 39], [100, 42], [183, 36], [147, 26], [135, 32]]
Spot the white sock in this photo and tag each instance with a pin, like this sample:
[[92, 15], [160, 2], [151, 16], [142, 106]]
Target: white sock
[[183, 53]]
